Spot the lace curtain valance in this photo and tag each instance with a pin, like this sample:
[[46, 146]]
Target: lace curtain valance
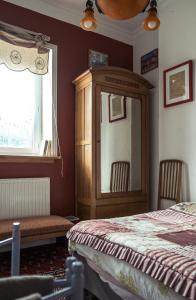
[[21, 49]]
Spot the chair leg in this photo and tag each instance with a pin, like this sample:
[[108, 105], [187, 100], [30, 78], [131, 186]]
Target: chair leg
[[15, 259], [77, 281]]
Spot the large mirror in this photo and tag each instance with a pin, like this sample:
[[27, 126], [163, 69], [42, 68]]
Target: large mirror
[[120, 143]]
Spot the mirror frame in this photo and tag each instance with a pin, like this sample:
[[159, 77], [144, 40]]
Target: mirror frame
[[144, 140], [138, 98]]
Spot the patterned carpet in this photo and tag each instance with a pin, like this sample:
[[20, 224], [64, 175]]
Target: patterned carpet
[[48, 259], [44, 260]]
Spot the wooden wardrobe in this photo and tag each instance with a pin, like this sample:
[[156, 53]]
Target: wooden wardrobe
[[112, 126]]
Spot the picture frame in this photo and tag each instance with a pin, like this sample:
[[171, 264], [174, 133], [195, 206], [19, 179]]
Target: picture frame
[[117, 107], [96, 58], [178, 84], [150, 61]]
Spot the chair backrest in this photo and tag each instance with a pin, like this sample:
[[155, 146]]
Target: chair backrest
[[73, 285], [170, 181], [15, 242], [119, 181], [45, 287]]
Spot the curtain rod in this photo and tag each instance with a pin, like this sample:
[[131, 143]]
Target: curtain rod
[[24, 33]]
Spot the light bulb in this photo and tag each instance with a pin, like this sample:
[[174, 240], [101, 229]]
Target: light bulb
[[88, 24], [152, 24]]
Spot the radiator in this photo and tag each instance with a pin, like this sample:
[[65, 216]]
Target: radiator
[[24, 197]]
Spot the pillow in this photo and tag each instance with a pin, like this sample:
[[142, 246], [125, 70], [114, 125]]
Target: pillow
[[186, 207]]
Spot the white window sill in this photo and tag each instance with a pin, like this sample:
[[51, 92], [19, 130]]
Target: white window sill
[[28, 159]]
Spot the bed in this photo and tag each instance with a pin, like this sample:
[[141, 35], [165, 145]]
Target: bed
[[146, 256]]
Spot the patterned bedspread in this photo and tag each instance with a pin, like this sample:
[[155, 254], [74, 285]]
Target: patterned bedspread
[[161, 244]]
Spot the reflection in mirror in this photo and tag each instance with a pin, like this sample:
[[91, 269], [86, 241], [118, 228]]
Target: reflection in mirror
[[120, 143]]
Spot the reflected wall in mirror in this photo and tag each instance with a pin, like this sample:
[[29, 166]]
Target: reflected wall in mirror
[[120, 143]]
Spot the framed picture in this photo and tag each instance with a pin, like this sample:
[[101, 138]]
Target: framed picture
[[117, 107], [178, 85], [96, 58], [149, 61]]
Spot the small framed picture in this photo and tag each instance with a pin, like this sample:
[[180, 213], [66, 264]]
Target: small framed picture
[[149, 61], [178, 85], [96, 58], [117, 107]]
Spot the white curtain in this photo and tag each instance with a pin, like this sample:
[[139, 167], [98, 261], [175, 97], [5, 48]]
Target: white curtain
[[21, 49]]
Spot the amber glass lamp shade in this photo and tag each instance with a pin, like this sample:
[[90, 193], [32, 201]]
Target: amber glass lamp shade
[[152, 22], [122, 9], [89, 22]]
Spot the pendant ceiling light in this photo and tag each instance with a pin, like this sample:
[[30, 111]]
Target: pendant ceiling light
[[89, 22], [121, 10], [152, 22]]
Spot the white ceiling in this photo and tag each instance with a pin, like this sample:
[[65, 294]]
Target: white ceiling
[[71, 11]]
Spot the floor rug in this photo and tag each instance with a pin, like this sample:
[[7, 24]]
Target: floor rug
[[47, 259]]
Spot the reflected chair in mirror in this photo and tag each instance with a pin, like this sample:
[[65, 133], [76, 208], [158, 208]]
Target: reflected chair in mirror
[[170, 183], [119, 181]]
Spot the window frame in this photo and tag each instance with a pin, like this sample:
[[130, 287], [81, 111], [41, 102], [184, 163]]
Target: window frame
[[21, 154], [54, 99]]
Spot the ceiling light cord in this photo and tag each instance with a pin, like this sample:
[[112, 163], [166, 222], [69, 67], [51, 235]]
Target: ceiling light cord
[[145, 8], [98, 7], [89, 5], [153, 4]]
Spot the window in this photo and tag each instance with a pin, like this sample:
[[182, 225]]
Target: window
[[28, 110]]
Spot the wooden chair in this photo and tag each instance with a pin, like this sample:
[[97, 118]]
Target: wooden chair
[[39, 287], [15, 242], [170, 181], [119, 181], [45, 287], [73, 285]]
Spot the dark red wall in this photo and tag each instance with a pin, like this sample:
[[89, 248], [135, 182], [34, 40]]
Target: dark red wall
[[73, 44]]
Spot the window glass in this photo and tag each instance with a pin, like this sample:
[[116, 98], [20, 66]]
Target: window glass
[[26, 111]]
